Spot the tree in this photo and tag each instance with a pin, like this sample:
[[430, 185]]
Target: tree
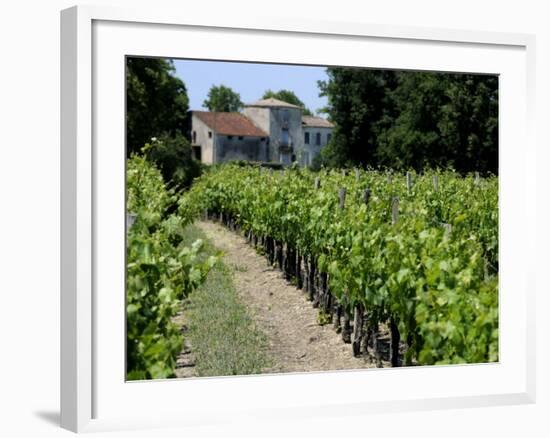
[[357, 99], [223, 99], [174, 157], [288, 97], [443, 120], [470, 120], [410, 137], [412, 119], [156, 101]]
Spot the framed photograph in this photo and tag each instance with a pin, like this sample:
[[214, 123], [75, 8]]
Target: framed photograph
[[271, 219]]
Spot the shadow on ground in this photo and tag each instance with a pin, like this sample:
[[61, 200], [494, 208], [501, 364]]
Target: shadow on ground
[[51, 417]]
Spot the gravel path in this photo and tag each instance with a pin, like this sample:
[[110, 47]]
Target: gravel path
[[296, 341], [185, 363]]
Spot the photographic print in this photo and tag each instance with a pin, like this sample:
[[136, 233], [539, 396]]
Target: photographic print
[[292, 218]]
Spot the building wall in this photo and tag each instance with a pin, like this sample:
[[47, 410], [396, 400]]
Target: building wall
[[281, 119], [272, 149], [274, 120], [200, 137], [240, 148], [260, 116], [311, 150]]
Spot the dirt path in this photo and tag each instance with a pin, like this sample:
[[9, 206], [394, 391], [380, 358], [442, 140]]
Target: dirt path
[[185, 363], [296, 341]]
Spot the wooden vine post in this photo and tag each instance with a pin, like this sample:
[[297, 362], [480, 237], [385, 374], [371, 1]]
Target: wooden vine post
[[309, 261], [343, 307], [435, 180], [342, 197], [359, 310], [394, 330], [298, 270], [366, 196], [394, 210], [337, 306]]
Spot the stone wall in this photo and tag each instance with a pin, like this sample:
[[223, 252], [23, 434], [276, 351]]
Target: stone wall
[[311, 150], [282, 149], [259, 116], [200, 137], [240, 148]]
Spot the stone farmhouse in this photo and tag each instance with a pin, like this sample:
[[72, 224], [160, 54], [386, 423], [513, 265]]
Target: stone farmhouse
[[268, 130]]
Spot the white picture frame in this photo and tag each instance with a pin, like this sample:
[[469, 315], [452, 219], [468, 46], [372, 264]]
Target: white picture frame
[[94, 394]]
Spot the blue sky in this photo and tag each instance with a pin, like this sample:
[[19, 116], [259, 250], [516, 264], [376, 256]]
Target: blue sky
[[250, 80]]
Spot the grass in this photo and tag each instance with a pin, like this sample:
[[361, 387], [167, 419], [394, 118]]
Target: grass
[[239, 268], [223, 336], [323, 318]]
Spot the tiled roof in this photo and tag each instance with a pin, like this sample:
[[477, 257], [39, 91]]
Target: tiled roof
[[271, 103], [317, 122], [230, 124]]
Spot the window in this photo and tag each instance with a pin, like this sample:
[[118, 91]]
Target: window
[[230, 137], [318, 139], [306, 138], [284, 137], [194, 136], [328, 137], [197, 155], [209, 134], [240, 137]]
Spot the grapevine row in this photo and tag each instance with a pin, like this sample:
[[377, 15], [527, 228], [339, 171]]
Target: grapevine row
[[161, 272], [417, 253]]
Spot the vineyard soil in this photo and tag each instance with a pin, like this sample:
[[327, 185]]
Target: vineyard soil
[[296, 341]]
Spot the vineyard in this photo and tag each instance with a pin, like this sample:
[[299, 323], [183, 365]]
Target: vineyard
[[417, 254], [414, 256], [160, 274]]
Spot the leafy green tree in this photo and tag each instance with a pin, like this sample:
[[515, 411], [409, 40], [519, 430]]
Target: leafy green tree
[[470, 120], [156, 101], [412, 119], [443, 120], [223, 99], [288, 97], [173, 155], [410, 136], [357, 99]]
